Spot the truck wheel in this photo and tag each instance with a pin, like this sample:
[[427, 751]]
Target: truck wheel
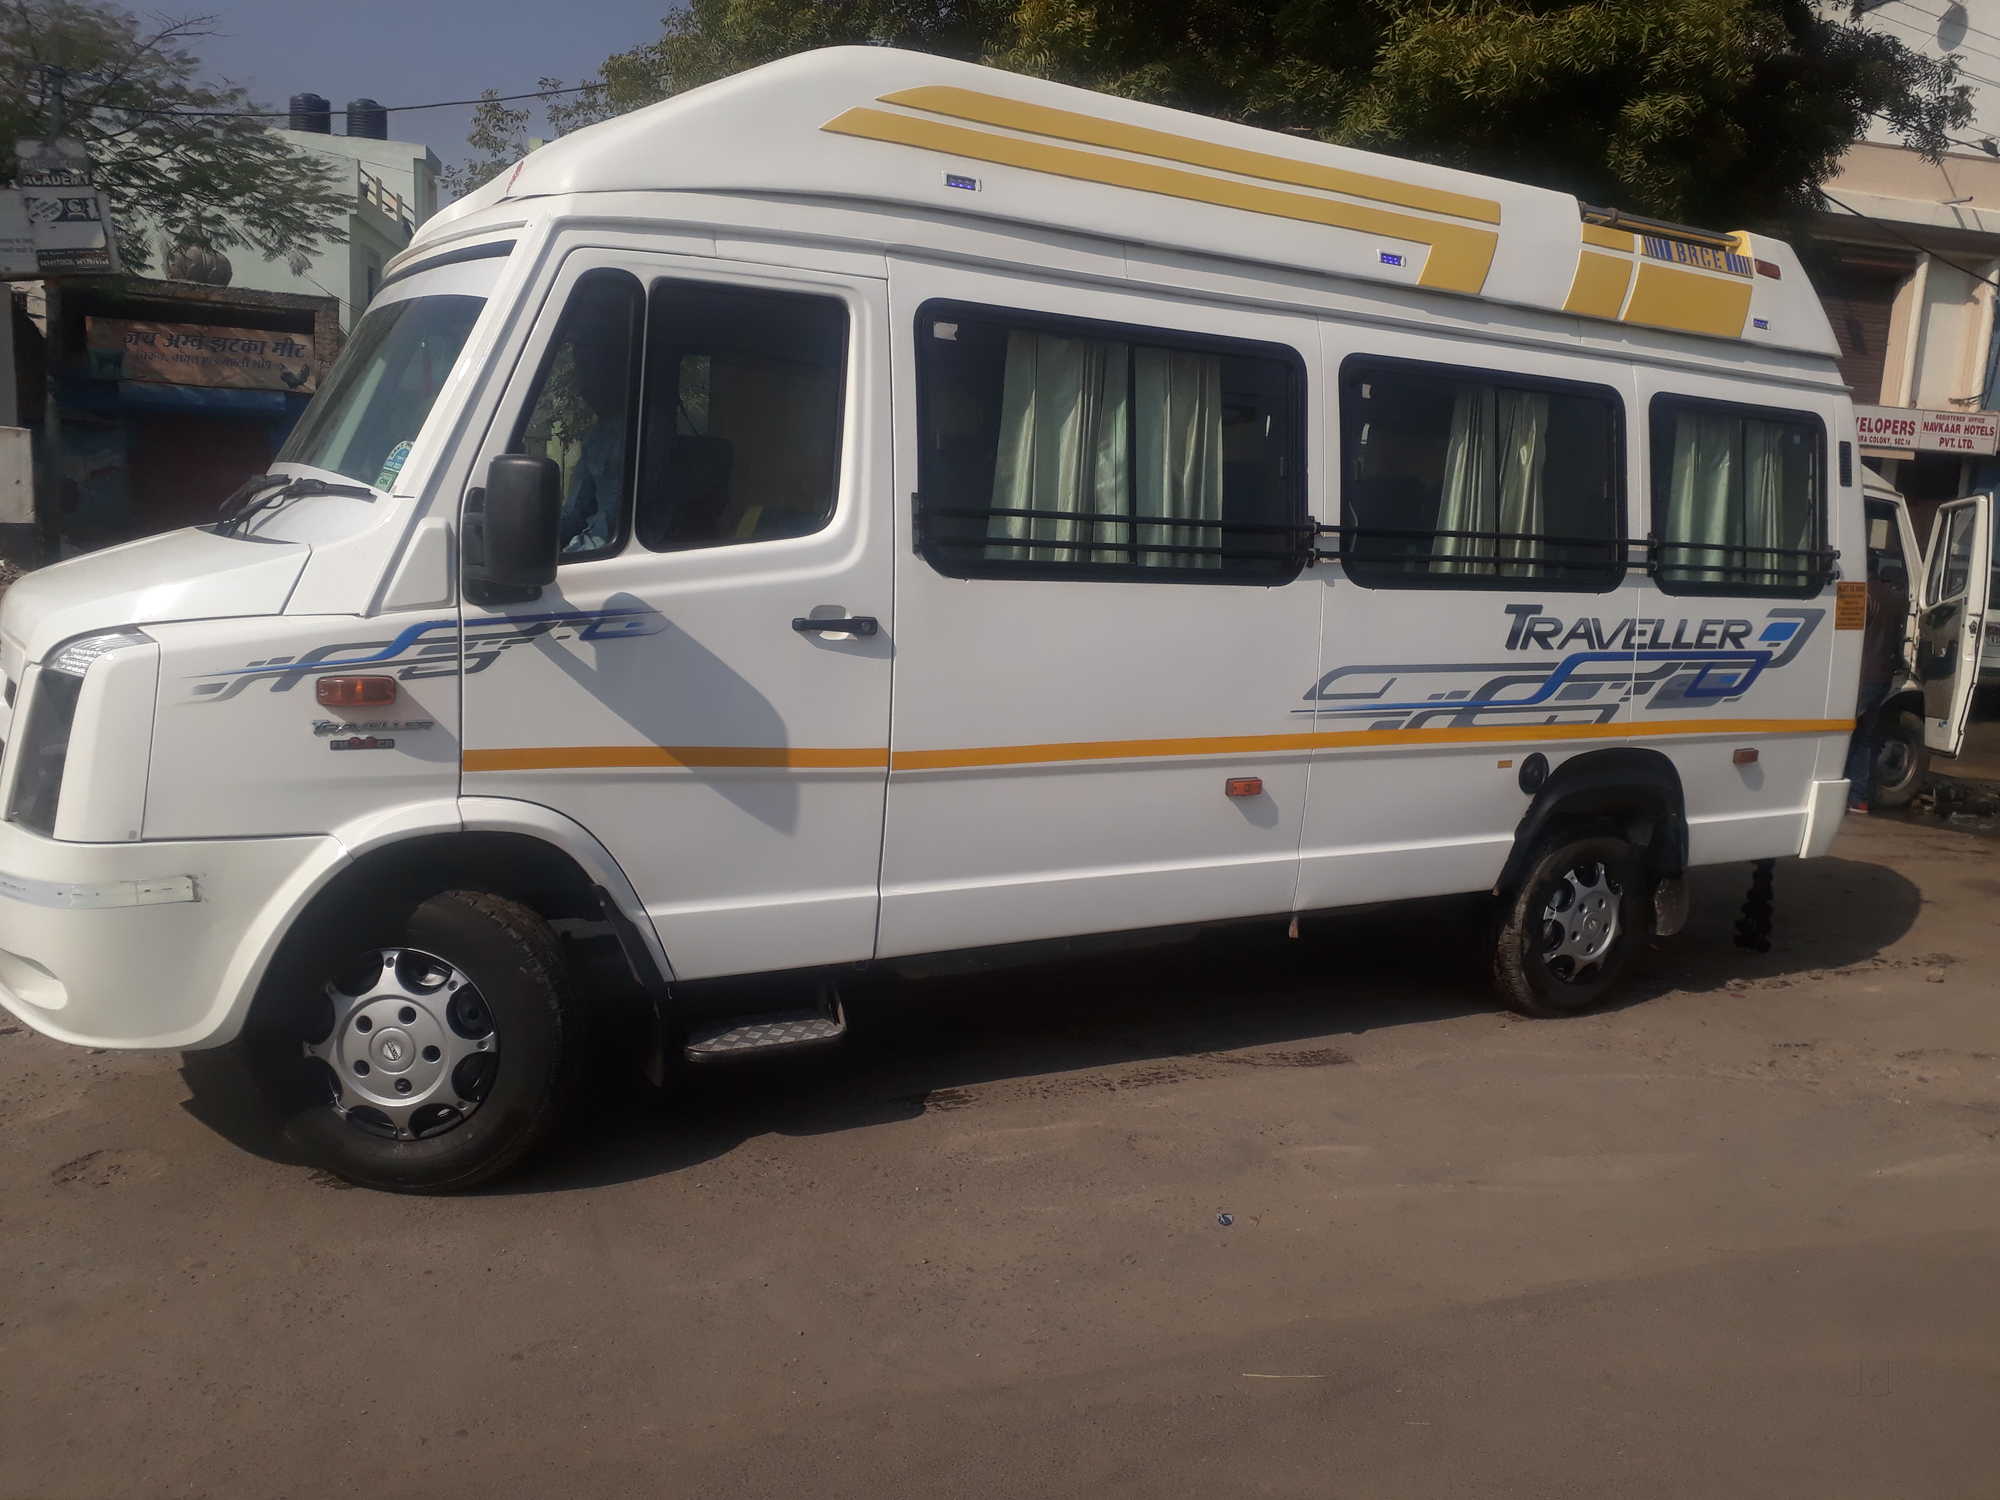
[[1567, 934], [1900, 758], [429, 1051]]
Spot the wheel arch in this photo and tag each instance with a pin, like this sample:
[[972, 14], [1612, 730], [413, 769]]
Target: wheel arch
[[518, 850], [1907, 700], [1629, 788]]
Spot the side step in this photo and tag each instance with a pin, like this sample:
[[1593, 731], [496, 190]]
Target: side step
[[766, 1035]]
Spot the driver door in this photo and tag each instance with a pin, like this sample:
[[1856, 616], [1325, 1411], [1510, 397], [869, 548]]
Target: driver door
[[722, 433], [1956, 584]]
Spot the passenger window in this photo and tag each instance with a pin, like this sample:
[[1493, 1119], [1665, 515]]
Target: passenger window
[[1886, 562], [743, 414], [1738, 495], [1059, 448], [582, 410], [1457, 478]]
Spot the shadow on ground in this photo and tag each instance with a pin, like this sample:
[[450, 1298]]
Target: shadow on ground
[[1244, 996]]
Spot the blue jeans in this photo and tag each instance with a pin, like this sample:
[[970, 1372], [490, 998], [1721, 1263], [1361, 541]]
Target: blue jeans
[[1861, 748]]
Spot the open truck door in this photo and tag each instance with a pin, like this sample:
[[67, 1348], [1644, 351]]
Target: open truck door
[[1957, 581]]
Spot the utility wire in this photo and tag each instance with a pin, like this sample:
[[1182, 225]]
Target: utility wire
[[1921, 31], [1970, 30], [1890, 225], [285, 114], [1987, 147]]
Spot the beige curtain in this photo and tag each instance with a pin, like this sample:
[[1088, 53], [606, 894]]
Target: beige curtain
[[1095, 427], [1493, 478]]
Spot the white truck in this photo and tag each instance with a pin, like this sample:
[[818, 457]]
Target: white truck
[[876, 507], [1950, 637]]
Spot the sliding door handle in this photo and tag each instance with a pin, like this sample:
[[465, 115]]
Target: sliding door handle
[[839, 625]]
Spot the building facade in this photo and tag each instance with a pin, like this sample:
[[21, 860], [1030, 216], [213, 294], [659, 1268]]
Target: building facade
[[393, 185], [1906, 256]]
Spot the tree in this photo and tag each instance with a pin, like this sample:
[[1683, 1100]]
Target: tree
[[499, 134], [172, 152], [1728, 112]]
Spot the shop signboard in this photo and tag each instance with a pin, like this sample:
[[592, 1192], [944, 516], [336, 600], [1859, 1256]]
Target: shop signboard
[[244, 359], [68, 222], [1909, 430]]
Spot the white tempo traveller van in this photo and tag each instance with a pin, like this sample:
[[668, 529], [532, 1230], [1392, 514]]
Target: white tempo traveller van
[[874, 507]]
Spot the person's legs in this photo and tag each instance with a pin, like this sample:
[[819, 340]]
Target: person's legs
[[1861, 748]]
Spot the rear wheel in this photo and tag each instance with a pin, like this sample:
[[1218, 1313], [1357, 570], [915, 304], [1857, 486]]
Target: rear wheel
[[427, 1050], [1900, 758], [1569, 931]]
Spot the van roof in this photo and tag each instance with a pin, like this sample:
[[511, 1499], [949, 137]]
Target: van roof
[[931, 134]]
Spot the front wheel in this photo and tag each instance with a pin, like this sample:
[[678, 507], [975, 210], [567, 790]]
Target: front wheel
[[1900, 758], [427, 1051], [1568, 933]]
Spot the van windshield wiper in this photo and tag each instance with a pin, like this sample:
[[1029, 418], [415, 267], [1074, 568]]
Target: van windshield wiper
[[254, 496]]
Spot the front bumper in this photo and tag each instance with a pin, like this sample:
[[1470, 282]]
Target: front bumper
[[142, 945]]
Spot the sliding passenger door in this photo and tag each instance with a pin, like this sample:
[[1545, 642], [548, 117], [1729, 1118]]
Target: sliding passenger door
[[1104, 621], [1739, 636], [1476, 617]]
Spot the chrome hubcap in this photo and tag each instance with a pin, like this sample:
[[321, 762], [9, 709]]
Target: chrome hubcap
[[1580, 922], [412, 1050]]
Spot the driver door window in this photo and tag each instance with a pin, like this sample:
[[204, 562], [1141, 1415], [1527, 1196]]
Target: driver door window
[[743, 413]]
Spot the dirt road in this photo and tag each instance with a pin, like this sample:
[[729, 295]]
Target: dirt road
[[1739, 1237]]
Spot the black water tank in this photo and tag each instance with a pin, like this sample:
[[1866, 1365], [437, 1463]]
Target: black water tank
[[366, 117], [311, 112]]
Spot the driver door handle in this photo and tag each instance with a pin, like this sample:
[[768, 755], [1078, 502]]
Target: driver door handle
[[839, 625]]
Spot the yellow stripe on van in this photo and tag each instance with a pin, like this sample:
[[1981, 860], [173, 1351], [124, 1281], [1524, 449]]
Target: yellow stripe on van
[[1013, 755], [696, 757], [1663, 297], [1608, 239], [1089, 130], [1598, 291], [1459, 258]]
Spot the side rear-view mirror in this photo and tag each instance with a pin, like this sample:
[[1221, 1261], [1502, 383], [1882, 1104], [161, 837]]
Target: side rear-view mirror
[[512, 530]]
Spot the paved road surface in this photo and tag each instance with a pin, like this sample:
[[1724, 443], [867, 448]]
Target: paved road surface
[[1732, 1239]]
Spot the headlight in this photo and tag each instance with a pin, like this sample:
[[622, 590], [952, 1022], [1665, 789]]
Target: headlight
[[42, 750]]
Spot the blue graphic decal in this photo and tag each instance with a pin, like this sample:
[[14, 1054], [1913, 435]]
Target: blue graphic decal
[[1692, 665], [433, 648]]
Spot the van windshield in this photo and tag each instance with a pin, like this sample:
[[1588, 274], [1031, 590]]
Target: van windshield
[[367, 415]]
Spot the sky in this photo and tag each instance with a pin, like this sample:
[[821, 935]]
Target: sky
[[411, 51]]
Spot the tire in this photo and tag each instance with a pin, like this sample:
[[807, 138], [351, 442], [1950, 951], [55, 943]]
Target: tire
[[1531, 973], [1901, 761], [426, 1046]]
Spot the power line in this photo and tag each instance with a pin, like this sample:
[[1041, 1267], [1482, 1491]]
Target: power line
[[1988, 147], [285, 114], [1931, 15], [1961, 47], [1890, 225]]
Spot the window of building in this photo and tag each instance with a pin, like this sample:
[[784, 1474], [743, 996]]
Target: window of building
[[1738, 499], [743, 415], [581, 414], [1456, 478], [1065, 448]]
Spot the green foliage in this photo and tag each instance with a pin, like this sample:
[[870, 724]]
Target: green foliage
[[1729, 112], [499, 135], [221, 182]]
